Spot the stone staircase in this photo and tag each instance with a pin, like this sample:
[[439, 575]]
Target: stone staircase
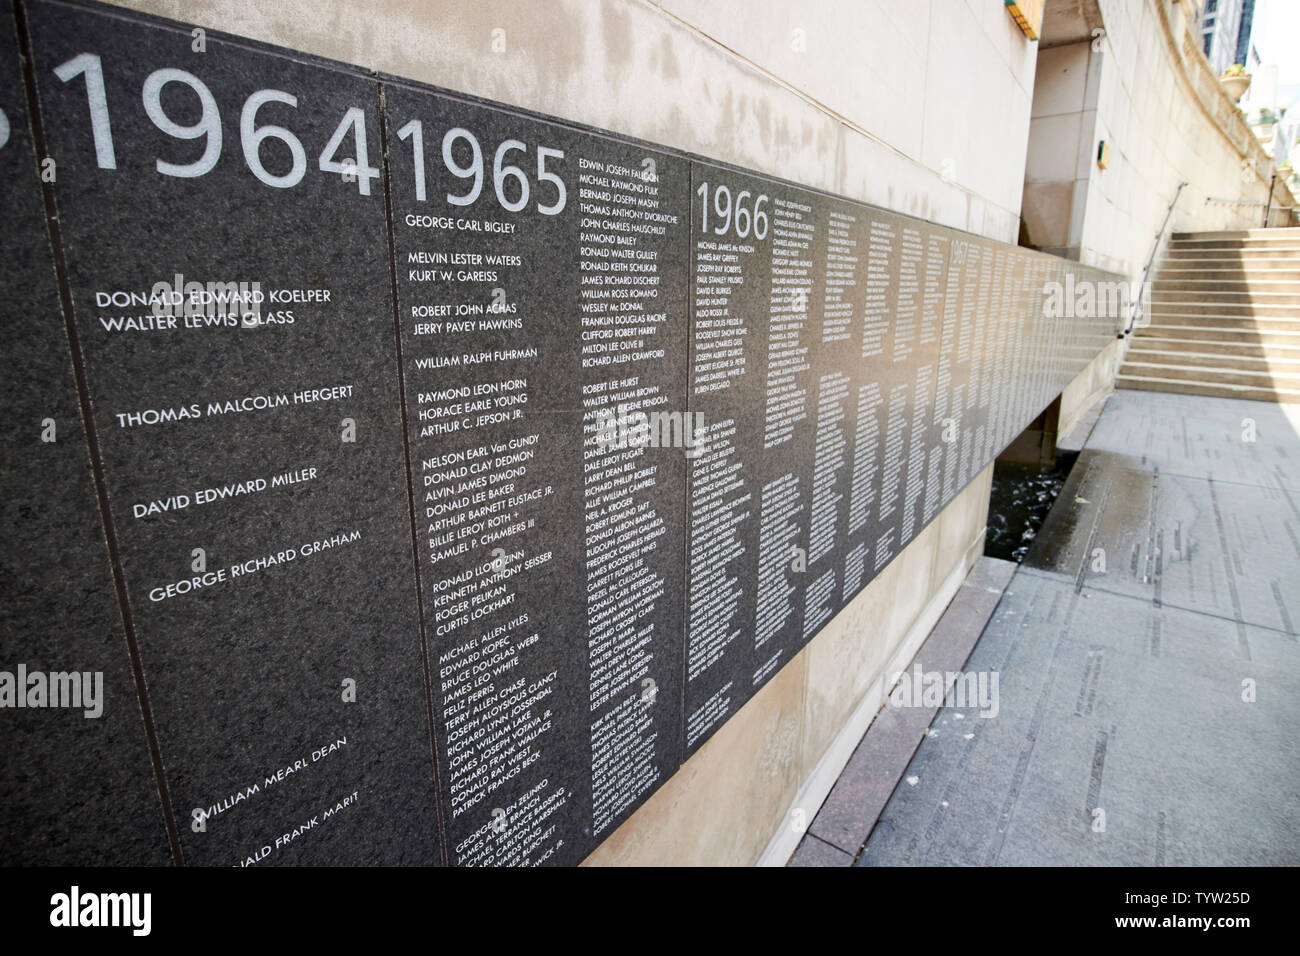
[[1225, 318]]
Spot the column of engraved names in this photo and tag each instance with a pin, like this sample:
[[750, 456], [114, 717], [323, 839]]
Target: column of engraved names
[[1053, 374], [1040, 331], [977, 399], [476, 454], [921, 332], [626, 412], [1012, 348], [934, 325], [1003, 317], [720, 499], [887, 349], [862, 488], [841, 278], [782, 500], [786, 395], [1043, 332], [828, 465], [869, 397], [833, 393], [969, 346], [999, 411], [1035, 339], [954, 363], [1023, 364]]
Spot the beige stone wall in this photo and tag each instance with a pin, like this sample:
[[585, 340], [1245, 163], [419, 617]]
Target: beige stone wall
[[1146, 89], [1091, 385], [1166, 118]]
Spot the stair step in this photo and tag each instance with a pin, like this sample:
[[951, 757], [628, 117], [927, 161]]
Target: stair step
[[1210, 333], [1266, 378], [1233, 311], [1210, 295], [1261, 233], [1185, 253], [1150, 353], [1253, 350], [1237, 293], [1282, 242], [1225, 330], [1207, 281], [1246, 331], [1236, 320], [1213, 389], [1276, 271]]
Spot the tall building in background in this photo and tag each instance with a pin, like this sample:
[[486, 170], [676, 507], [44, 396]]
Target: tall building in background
[[1243, 31], [1225, 27]]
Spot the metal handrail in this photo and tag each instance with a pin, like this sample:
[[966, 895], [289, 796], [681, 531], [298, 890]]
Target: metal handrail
[[1137, 301], [1245, 202]]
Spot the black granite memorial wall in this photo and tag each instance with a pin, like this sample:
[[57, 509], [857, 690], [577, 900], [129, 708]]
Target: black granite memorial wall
[[77, 782], [425, 479]]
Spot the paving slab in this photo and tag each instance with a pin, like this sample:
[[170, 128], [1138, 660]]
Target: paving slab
[[1107, 704], [1146, 706], [1228, 439]]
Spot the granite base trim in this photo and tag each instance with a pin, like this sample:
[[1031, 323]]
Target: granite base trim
[[868, 777]]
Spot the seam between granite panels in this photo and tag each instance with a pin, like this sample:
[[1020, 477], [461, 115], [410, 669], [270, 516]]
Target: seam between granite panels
[[834, 846], [391, 249], [688, 485], [89, 433]]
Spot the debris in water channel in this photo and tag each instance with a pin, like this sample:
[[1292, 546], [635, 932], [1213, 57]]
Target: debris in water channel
[[1021, 498]]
